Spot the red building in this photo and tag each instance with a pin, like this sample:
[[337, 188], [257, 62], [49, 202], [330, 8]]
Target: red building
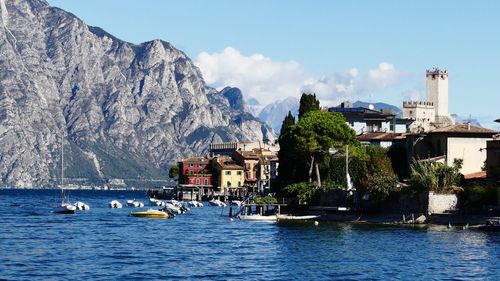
[[195, 171]]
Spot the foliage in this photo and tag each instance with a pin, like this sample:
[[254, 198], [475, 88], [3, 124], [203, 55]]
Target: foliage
[[287, 122], [399, 159], [308, 103], [265, 200], [313, 135], [173, 172], [480, 195], [302, 192], [434, 176]]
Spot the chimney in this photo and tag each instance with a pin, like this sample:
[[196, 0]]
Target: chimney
[[468, 126]]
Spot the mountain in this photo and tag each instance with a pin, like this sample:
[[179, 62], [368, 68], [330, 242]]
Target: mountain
[[274, 113], [379, 106], [123, 110]]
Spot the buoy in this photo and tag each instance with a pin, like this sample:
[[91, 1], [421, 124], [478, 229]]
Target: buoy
[[449, 225], [231, 219], [316, 223]]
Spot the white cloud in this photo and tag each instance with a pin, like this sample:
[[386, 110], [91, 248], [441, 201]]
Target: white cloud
[[266, 80], [257, 76]]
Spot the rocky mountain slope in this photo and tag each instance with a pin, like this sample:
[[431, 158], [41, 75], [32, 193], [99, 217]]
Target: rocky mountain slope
[[274, 113], [122, 110]]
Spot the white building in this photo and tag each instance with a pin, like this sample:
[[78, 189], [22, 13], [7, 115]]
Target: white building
[[422, 112], [437, 100], [452, 142]]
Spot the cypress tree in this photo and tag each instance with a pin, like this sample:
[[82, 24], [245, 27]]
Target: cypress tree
[[287, 122], [308, 102]]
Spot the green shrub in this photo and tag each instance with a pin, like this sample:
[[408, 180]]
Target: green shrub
[[265, 200], [480, 195], [302, 192]]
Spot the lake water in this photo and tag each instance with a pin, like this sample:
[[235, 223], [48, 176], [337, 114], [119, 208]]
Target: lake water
[[107, 244]]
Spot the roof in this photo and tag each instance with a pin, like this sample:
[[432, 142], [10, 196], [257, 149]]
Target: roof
[[227, 163], [381, 136], [463, 129], [361, 114], [475, 175], [230, 166], [195, 160]]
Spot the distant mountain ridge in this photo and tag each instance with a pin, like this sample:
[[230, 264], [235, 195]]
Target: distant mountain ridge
[[124, 110]]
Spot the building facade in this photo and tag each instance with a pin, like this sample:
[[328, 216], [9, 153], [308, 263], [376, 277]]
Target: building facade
[[195, 171], [419, 113], [464, 141], [229, 174]]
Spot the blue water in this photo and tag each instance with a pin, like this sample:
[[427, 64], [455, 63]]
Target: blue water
[[107, 244]]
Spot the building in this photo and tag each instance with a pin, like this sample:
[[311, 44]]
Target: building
[[493, 156], [419, 113], [249, 160], [195, 171], [229, 175], [452, 142], [366, 120], [228, 148], [422, 113], [382, 139]]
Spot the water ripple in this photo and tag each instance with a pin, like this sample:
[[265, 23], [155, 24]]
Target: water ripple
[[201, 245]]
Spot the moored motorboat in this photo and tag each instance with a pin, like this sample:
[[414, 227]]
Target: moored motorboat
[[288, 217], [134, 203], [115, 204], [217, 203], [491, 225], [82, 206], [151, 214], [257, 217], [64, 208]]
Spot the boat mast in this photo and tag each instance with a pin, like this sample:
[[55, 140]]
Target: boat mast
[[62, 167]]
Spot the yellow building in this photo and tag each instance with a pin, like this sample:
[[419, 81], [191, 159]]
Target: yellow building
[[229, 174]]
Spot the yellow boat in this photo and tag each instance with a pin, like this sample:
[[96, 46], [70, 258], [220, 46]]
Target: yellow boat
[[151, 214]]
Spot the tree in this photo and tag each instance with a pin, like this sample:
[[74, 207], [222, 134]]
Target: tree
[[308, 103], [173, 172], [434, 176], [310, 139], [287, 122]]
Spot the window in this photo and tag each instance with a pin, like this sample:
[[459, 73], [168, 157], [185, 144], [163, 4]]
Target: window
[[197, 181], [239, 184], [239, 173], [228, 173], [191, 165], [228, 183], [205, 181]]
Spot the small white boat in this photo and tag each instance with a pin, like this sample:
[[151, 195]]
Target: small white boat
[[286, 217], [64, 208], [217, 203], [115, 204], [155, 202], [195, 204], [135, 204], [81, 206], [236, 203], [257, 217]]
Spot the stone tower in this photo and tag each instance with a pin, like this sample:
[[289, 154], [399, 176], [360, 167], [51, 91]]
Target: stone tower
[[437, 93]]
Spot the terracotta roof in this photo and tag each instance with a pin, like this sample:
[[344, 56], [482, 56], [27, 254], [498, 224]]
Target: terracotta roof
[[381, 136], [463, 128], [475, 175], [230, 166], [195, 160]]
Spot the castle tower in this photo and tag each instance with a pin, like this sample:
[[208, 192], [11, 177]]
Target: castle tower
[[437, 91]]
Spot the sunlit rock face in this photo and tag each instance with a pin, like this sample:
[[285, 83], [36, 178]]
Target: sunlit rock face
[[122, 110]]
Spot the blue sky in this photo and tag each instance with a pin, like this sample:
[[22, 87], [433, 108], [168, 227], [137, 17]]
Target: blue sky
[[369, 50]]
